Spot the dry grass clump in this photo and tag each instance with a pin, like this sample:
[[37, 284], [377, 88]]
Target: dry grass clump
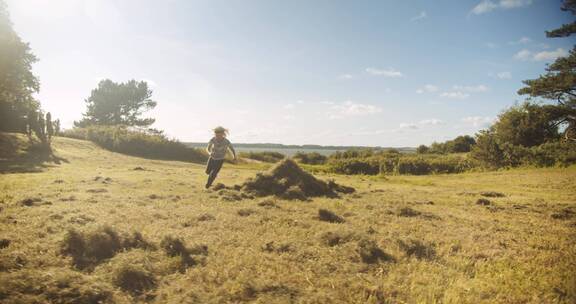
[[59, 285], [329, 216], [31, 201], [564, 214], [205, 217], [335, 238], [408, 212], [289, 181], [189, 256], [267, 203], [245, 212], [370, 253], [88, 249], [418, 249], [277, 248], [492, 194], [483, 202], [134, 279], [4, 243]]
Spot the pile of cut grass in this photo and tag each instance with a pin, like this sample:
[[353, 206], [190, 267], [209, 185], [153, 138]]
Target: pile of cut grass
[[288, 181]]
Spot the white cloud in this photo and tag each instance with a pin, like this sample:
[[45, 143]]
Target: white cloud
[[504, 75], [455, 95], [300, 101], [431, 121], [420, 16], [472, 89], [288, 106], [390, 72], [526, 55], [478, 121], [346, 76], [428, 88], [523, 55], [491, 45], [414, 126], [408, 126], [350, 108], [550, 55], [486, 6], [523, 40]]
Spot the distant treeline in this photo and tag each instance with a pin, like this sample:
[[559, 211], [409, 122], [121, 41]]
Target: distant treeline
[[274, 147]]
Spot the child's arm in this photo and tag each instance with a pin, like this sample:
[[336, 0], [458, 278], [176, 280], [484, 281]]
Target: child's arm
[[232, 150], [209, 147]]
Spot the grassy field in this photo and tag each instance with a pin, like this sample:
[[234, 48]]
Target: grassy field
[[495, 237]]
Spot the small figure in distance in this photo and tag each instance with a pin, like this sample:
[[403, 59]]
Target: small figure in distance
[[217, 148]]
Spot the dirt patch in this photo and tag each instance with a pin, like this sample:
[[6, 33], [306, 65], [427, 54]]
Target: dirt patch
[[287, 180], [329, 216], [492, 194], [218, 186]]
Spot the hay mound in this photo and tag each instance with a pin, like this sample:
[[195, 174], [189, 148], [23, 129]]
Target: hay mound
[[287, 180]]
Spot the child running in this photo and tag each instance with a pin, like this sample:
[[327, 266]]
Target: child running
[[217, 148]]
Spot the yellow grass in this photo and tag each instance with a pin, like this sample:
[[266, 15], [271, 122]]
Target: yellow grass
[[519, 249]]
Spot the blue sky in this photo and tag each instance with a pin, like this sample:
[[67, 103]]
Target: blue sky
[[385, 73]]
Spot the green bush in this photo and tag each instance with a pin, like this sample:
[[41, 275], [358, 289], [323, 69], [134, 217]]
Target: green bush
[[310, 158], [265, 156], [137, 143], [350, 166]]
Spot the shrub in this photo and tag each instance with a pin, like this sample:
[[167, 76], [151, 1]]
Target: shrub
[[310, 158], [265, 156], [350, 166], [137, 143]]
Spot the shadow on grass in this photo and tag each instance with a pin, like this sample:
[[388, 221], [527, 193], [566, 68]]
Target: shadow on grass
[[18, 155]]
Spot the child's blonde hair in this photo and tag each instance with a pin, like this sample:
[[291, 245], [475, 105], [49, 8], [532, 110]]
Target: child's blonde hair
[[221, 129]]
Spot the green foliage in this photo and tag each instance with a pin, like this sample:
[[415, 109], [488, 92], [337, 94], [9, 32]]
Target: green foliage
[[17, 83], [265, 156], [49, 126], [460, 144], [409, 164], [527, 125], [559, 81], [118, 104], [487, 151], [310, 158], [349, 166], [422, 149], [138, 143]]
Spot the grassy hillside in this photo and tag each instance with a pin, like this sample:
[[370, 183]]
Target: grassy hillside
[[67, 234]]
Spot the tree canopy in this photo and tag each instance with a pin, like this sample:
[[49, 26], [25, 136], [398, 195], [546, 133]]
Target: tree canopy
[[114, 103], [559, 81], [17, 82]]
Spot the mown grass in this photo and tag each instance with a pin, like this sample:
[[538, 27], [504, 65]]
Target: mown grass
[[401, 239]]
